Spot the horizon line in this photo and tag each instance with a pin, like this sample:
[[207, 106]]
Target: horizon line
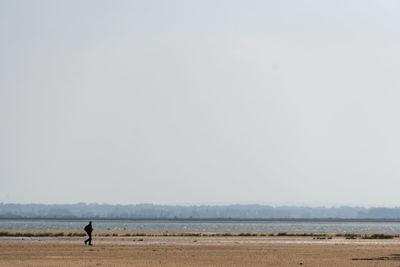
[[275, 205]]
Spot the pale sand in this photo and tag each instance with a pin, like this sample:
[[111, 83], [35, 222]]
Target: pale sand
[[198, 251]]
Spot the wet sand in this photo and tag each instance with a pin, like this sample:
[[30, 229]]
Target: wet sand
[[198, 251]]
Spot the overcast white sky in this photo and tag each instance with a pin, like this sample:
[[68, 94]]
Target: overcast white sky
[[199, 102]]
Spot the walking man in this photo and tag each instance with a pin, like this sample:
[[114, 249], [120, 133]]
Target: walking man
[[89, 229]]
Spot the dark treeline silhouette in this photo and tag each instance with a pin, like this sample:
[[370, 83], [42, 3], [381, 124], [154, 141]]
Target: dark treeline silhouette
[[82, 210]]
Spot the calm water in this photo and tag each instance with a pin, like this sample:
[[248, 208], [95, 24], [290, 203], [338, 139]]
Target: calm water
[[203, 225]]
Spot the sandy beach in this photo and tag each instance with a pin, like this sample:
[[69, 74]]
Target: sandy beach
[[154, 248]]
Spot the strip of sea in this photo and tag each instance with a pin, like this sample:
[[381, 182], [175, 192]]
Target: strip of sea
[[326, 225]]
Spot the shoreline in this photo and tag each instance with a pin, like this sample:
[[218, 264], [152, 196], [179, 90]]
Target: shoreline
[[128, 237]]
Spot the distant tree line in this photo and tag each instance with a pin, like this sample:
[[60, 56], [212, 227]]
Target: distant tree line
[[82, 210]]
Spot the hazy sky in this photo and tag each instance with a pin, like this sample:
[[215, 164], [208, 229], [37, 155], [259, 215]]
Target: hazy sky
[[199, 102]]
